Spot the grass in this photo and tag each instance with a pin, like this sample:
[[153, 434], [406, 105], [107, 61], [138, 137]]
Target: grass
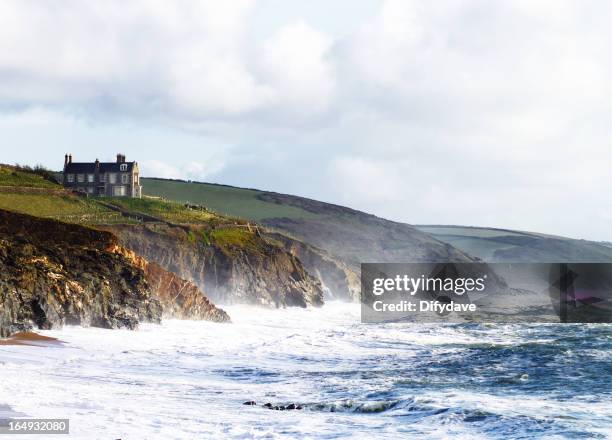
[[11, 176], [229, 239], [170, 211], [226, 200], [67, 208]]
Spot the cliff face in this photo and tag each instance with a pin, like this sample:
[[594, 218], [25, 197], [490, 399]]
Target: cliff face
[[339, 281], [55, 274], [179, 298], [255, 272]]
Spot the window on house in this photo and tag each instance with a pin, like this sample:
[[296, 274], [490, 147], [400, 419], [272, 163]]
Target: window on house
[[136, 178], [90, 189], [112, 177], [102, 177], [125, 178], [90, 178], [123, 167], [119, 191], [80, 178], [70, 178]]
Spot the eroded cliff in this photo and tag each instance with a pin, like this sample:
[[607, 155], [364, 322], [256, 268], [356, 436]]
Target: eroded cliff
[[179, 298], [55, 273], [231, 265], [339, 280]]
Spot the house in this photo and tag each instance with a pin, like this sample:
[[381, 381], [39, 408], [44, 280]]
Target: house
[[110, 179]]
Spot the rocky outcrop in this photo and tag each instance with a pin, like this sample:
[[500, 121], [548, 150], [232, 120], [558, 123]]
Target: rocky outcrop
[[339, 281], [254, 272], [179, 298], [55, 274]]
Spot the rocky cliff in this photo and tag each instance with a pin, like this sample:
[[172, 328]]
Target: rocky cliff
[[55, 273], [179, 298], [231, 268], [339, 280]]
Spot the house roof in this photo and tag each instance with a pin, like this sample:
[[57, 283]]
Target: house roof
[[90, 167]]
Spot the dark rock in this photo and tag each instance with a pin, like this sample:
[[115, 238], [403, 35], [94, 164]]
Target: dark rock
[[179, 298], [339, 280], [268, 405], [291, 406], [55, 273], [250, 402]]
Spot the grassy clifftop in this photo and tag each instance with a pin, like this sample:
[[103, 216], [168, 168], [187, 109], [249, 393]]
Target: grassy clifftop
[[228, 200]]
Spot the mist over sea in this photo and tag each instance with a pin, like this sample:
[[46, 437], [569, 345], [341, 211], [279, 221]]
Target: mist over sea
[[189, 379]]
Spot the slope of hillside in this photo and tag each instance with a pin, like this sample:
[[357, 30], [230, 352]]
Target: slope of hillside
[[351, 235], [16, 176], [502, 245]]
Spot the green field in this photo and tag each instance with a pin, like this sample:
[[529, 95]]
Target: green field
[[67, 208], [92, 211], [226, 200], [174, 212]]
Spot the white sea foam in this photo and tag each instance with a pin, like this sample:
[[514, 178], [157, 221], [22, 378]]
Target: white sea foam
[[189, 379]]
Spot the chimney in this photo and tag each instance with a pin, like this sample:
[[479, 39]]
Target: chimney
[[120, 158], [65, 159], [97, 164], [70, 158]]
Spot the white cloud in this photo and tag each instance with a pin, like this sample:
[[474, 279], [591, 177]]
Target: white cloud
[[192, 170], [158, 168], [294, 60], [185, 61], [366, 182]]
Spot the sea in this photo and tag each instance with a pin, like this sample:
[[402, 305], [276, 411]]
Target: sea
[[190, 379]]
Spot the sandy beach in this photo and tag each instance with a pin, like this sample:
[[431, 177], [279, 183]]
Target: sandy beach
[[32, 339]]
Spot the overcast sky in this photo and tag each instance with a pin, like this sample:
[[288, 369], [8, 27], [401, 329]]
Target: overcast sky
[[447, 112]]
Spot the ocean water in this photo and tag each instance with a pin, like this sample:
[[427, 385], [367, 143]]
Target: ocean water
[[189, 379]]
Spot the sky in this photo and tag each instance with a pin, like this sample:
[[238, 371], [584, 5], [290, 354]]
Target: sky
[[448, 112]]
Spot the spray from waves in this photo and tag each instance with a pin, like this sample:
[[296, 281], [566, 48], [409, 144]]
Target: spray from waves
[[189, 379]]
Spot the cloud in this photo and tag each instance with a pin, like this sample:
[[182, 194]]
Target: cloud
[[158, 168], [154, 58], [192, 170], [294, 60], [365, 181]]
